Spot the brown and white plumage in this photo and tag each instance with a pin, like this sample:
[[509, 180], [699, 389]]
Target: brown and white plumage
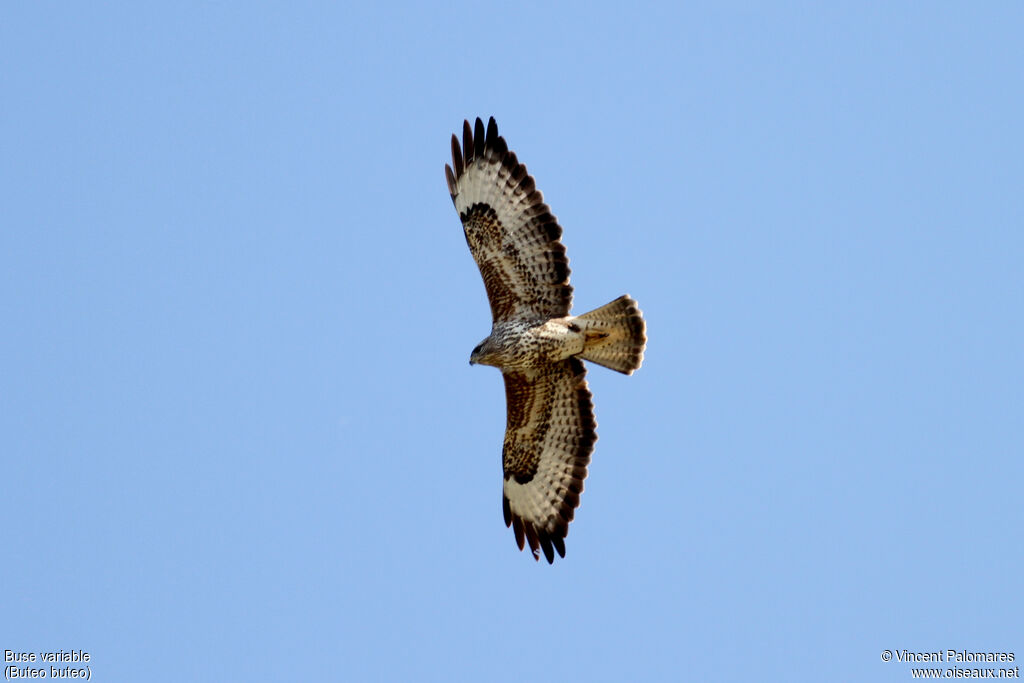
[[550, 430], [509, 228]]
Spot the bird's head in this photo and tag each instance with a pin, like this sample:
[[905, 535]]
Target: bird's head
[[483, 354]]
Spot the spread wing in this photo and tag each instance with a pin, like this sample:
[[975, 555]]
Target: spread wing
[[510, 230], [548, 441]]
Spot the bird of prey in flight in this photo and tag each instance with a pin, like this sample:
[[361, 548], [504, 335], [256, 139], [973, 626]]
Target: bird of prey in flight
[[538, 346]]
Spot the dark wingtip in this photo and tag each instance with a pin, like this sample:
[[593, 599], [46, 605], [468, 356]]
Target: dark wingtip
[[545, 544], [532, 540], [479, 138], [517, 529], [457, 157], [492, 133], [450, 177], [467, 142], [501, 148]]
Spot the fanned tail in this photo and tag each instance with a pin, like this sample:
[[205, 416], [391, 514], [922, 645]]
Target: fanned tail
[[615, 335]]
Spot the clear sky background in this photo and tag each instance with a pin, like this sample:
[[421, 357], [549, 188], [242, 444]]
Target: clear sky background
[[240, 439]]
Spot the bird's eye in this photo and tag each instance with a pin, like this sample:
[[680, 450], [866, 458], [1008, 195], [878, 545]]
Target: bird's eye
[[477, 349]]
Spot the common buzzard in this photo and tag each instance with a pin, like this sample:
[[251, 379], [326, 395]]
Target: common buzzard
[[537, 345]]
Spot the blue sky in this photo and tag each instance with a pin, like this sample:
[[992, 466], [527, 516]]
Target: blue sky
[[239, 435]]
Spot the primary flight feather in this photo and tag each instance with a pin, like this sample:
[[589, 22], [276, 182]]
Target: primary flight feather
[[537, 345]]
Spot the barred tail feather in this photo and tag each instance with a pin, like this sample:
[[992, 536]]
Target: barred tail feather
[[615, 335]]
